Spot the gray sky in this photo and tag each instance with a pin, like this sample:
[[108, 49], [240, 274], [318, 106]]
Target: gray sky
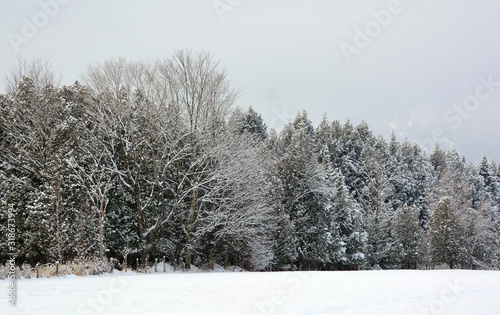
[[430, 70]]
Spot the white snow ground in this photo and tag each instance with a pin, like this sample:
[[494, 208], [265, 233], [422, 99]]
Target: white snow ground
[[355, 292]]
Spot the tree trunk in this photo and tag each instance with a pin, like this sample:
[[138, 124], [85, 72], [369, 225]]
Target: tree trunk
[[57, 193], [212, 251], [101, 230], [187, 265], [226, 259], [142, 239], [190, 229]]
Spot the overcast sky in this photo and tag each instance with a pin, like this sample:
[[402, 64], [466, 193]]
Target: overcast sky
[[430, 70]]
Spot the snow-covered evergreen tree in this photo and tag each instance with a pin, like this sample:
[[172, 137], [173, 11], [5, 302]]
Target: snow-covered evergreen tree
[[445, 235], [305, 215], [253, 123], [348, 226], [408, 237], [151, 159], [379, 172], [40, 135]]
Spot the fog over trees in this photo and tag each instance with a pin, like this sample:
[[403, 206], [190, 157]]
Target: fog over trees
[[153, 159]]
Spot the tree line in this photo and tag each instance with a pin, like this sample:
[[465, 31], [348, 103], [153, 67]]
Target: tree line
[[154, 159]]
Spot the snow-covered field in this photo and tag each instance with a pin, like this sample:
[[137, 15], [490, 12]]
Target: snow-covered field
[[363, 292]]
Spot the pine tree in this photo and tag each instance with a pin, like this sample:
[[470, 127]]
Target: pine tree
[[480, 240], [416, 177], [445, 235], [379, 172], [324, 139], [438, 159], [408, 237], [489, 182], [253, 123], [42, 127], [304, 202], [348, 226]]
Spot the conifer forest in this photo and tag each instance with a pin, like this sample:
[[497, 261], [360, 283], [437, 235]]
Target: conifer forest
[[145, 160]]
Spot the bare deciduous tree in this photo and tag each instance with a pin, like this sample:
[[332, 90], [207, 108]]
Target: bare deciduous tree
[[38, 70], [158, 119], [201, 95]]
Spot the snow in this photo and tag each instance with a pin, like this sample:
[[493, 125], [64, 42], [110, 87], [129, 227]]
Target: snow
[[350, 292], [358, 256]]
